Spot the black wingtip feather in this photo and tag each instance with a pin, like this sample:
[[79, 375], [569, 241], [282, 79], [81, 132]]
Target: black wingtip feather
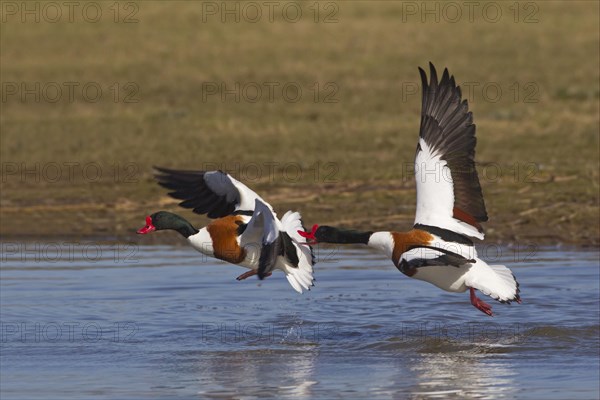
[[434, 79], [423, 76], [446, 78]]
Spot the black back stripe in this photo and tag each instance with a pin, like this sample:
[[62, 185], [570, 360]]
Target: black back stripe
[[289, 250], [441, 261], [268, 258], [457, 259], [243, 212], [445, 234]]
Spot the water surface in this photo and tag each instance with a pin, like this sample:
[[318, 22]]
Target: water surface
[[93, 321]]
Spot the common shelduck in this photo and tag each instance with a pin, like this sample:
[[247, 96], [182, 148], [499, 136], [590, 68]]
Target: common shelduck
[[450, 206], [245, 230]]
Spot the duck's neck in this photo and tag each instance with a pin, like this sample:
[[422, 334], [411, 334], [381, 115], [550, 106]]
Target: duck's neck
[[182, 226], [381, 241], [329, 234], [187, 230]]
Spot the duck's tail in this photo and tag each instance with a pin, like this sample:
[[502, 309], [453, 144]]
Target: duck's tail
[[298, 257], [496, 281]]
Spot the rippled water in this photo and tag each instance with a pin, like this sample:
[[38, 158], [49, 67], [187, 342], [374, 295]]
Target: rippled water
[[83, 321]]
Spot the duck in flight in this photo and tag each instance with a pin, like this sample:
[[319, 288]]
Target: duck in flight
[[245, 230], [450, 206]]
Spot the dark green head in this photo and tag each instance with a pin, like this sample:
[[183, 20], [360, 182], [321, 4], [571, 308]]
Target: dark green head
[[165, 220]]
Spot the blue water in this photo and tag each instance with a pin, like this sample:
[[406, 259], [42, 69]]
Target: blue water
[[94, 321]]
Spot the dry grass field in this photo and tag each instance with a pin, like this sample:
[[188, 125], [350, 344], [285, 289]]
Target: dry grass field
[[318, 112]]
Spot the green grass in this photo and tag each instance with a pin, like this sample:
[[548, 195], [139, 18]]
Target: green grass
[[546, 151]]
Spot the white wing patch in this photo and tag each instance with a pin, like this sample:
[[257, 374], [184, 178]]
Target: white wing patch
[[435, 190], [435, 193]]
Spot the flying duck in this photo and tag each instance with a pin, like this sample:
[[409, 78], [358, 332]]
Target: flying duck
[[245, 230], [450, 207]]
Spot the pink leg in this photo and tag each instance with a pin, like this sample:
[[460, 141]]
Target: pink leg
[[480, 305], [248, 274]]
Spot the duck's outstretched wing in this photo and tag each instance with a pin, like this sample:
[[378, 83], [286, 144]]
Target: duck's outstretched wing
[[214, 193], [448, 191], [262, 231]]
